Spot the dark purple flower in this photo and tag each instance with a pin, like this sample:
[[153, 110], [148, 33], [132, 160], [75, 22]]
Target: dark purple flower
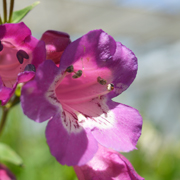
[[56, 42], [5, 173], [76, 99], [18, 49], [107, 164]]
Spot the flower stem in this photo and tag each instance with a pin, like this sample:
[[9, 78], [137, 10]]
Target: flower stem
[[11, 10], [3, 119], [1, 20], [5, 10], [15, 100]]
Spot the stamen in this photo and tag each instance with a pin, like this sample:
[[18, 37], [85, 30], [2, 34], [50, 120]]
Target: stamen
[[21, 54], [1, 46], [101, 81], [77, 74], [30, 67], [110, 87], [70, 69]]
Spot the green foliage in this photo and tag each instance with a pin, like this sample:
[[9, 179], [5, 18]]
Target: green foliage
[[155, 159], [19, 15], [28, 139], [9, 155]]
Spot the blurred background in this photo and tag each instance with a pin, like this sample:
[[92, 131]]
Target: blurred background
[[151, 29]]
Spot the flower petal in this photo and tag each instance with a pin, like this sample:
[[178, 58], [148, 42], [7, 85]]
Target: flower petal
[[126, 130], [98, 55], [107, 164], [113, 125], [33, 99], [56, 42], [74, 146], [25, 76], [11, 33], [4, 91]]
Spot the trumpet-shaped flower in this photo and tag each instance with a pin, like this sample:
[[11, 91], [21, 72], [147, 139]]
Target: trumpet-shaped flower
[[5, 173], [56, 42], [20, 55], [107, 165], [76, 99]]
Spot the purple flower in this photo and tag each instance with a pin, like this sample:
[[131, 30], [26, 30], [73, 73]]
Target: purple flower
[[5, 173], [107, 164], [76, 99], [56, 42], [20, 55]]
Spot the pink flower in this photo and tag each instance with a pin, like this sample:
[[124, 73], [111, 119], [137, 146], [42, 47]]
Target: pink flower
[[76, 99], [5, 174], [107, 165], [20, 55], [56, 42]]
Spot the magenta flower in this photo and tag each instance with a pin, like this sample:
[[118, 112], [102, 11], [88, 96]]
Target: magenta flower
[[56, 42], [76, 98], [5, 173], [107, 164], [20, 54]]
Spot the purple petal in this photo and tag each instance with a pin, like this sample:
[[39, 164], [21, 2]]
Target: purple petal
[[68, 142], [56, 42], [25, 76], [107, 164], [125, 130], [4, 91], [11, 32], [98, 54], [33, 97], [113, 125]]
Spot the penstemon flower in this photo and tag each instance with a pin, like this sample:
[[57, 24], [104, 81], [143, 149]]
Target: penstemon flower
[[56, 42], [76, 99], [20, 55], [107, 164], [5, 173]]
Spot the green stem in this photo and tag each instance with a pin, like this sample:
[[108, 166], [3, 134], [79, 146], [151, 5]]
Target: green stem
[[3, 119], [1, 20], [11, 10], [5, 109], [5, 10]]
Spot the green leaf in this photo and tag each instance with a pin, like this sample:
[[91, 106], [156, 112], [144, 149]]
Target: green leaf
[[19, 15], [9, 155]]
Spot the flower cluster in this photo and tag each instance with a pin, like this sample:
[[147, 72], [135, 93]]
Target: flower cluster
[[71, 85]]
